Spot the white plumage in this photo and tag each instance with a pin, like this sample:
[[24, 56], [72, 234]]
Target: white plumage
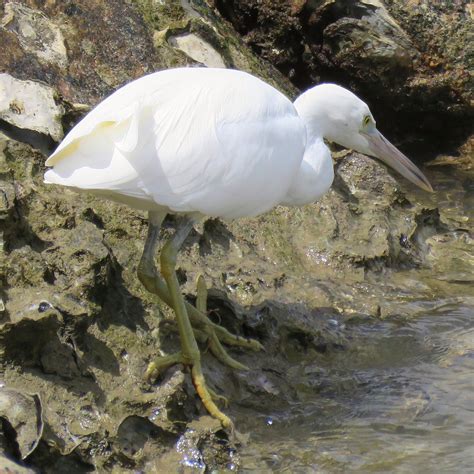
[[184, 140]]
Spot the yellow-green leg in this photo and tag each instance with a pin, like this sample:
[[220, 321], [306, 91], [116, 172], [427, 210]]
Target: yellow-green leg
[[154, 284], [211, 338], [170, 291], [209, 333], [190, 355], [213, 333]]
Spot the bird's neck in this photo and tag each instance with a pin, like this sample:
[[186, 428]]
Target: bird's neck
[[314, 176], [316, 172], [313, 116]]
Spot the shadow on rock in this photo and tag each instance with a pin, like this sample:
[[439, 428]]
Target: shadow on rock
[[119, 306], [45, 348]]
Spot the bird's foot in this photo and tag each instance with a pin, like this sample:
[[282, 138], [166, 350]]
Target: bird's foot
[[167, 288], [206, 394], [210, 332], [205, 330], [160, 364], [218, 398], [223, 335]]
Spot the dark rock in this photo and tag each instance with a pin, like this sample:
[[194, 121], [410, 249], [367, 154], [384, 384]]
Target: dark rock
[[410, 62]]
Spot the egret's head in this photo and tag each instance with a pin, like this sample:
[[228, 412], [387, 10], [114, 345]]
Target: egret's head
[[341, 117]]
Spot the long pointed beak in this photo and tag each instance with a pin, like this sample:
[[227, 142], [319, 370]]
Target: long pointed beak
[[382, 149]]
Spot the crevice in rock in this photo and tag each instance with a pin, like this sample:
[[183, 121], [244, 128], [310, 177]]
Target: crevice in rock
[[37, 140]]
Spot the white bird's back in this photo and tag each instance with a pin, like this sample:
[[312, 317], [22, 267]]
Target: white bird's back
[[215, 141]]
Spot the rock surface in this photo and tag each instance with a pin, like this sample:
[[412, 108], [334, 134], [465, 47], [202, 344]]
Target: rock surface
[[76, 325]]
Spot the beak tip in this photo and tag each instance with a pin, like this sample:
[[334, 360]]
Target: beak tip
[[381, 148], [427, 186], [424, 185]]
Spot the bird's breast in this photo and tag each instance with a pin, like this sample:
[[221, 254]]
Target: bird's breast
[[314, 176]]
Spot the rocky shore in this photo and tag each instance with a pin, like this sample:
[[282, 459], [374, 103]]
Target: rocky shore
[[76, 327]]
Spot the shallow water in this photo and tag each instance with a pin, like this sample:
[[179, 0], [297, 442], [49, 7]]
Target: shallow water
[[399, 399]]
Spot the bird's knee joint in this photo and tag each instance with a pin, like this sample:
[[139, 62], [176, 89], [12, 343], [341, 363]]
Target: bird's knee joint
[[191, 357], [146, 270]]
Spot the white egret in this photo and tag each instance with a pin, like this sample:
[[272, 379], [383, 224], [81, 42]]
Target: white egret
[[212, 142]]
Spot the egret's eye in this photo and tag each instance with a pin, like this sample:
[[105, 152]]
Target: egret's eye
[[366, 120]]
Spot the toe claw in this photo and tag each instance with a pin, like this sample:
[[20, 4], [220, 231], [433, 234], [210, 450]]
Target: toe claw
[[151, 373], [160, 364]]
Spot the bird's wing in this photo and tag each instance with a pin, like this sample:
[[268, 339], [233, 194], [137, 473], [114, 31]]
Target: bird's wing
[[226, 146], [107, 149], [189, 139], [69, 146]]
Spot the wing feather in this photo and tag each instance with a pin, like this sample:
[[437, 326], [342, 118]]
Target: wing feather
[[187, 140], [72, 145]]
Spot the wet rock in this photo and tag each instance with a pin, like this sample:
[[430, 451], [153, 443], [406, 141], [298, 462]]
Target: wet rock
[[11, 467], [204, 446], [450, 258], [139, 438]]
